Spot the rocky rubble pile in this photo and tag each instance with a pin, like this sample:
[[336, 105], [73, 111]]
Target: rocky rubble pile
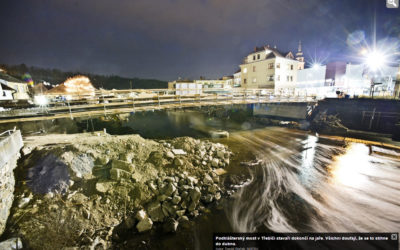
[[83, 192], [324, 123]]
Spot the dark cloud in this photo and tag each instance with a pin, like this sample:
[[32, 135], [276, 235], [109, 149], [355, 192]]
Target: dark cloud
[[166, 39]]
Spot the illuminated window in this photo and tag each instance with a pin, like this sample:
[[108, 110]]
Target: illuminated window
[[278, 65], [245, 70], [270, 65], [254, 80], [254, 68]]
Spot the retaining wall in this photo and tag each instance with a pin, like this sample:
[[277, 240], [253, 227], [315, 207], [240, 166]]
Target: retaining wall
[[10, 146]]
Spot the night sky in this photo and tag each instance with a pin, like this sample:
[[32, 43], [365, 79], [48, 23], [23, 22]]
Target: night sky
[[167, 39]]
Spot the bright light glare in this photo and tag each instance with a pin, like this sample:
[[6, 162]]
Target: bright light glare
[[364, 51], [316, 66], [41, 100], [350, 169], [375, 60]]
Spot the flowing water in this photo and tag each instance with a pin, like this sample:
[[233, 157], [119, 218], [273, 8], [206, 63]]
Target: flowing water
[[303, 183]]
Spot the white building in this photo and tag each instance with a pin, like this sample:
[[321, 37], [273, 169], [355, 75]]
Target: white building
[[351, 79], [237, 79], [6, 93], [268, 68], [20, 87], [185, 87]]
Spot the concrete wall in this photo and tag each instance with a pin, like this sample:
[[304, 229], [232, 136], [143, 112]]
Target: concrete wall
[[285, 110], [358, 114], [9, 146], [9, 154]]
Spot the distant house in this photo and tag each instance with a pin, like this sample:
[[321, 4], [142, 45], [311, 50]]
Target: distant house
[[6, 92], [20, 87], [185, 87], [268, 68]]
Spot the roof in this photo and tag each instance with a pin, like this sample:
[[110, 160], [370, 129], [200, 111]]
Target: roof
[[274, 52], [9, 78], [5, 87]]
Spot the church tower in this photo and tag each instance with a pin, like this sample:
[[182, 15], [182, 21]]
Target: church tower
[[300, 58]]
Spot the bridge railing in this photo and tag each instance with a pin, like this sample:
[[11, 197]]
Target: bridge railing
[[112, 101], [162, 95]]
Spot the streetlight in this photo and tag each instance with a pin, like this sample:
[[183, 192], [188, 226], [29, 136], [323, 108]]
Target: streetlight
[[375, 60], [316, 65]]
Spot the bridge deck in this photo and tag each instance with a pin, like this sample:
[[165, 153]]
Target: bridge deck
[[98, 105]]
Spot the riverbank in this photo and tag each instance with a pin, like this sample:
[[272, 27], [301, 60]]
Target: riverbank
[[86, 190]]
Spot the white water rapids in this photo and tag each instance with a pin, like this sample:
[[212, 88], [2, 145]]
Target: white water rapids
[[305, 185]]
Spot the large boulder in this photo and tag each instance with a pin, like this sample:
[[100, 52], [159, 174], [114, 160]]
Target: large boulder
[[117, 174], [11, 244], [169, 189], [155, 211], [144, 225], [123, 165], [170, 225]]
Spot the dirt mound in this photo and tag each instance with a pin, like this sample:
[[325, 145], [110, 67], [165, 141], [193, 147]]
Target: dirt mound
[[88, 189]]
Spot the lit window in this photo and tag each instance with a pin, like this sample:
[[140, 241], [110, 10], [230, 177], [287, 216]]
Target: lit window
[[245, 70], [278, 65], [254, 68], [254, 80], [270, 65]]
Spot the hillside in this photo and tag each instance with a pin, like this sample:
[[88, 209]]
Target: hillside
[[55, 76]]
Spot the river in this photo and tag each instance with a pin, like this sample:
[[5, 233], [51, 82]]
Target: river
[[303, 183]]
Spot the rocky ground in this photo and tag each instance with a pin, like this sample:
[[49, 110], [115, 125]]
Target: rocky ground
[[327, 124], [82, 191]]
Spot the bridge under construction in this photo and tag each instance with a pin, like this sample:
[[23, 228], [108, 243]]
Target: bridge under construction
[[107, 102]]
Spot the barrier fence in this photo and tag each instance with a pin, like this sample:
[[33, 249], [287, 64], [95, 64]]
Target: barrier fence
[[103, 102]]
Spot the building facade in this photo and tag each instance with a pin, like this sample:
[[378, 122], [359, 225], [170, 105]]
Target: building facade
[[20, 87], [185, 87], [267, 68], [351, 79], [6, 93], [237, 79]]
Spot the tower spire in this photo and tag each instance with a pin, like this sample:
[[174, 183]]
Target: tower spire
[[299, 57]]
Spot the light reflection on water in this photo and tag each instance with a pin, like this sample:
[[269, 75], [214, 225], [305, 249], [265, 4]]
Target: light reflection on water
[[306, 185], [350, 169]]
